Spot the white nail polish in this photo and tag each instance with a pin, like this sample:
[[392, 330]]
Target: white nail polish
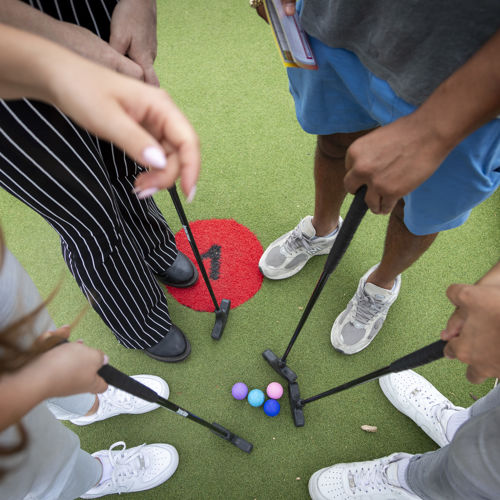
[[147, 193], [191, 195], [155, 157]]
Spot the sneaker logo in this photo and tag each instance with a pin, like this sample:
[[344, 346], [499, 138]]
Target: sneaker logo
[[352, 484]]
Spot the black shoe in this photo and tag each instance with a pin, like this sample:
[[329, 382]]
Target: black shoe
[[172, 348], [180, 274]]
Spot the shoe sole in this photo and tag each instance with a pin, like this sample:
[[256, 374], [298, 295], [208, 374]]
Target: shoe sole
[[171, 359], [186, 284]]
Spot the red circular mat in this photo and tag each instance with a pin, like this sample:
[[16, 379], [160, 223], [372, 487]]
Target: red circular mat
[[230, 254]]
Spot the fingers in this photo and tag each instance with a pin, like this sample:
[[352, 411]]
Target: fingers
[[128, 67], [474, 376], [454, 325], [288, 7], [150, 75]]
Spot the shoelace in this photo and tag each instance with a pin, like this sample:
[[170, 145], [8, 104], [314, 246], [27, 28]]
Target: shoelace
[[368, 306], [127, 464], [296, 240], [115, 398], [435, 407], [372, 477]]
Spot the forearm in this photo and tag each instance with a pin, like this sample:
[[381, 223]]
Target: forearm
[[20, 392], [20, 15], [469, 98], [29, 65]]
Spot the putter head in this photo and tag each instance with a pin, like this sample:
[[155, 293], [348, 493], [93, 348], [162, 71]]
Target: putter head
[[221, 315], [279, 366], [239, 442], [295, 404]]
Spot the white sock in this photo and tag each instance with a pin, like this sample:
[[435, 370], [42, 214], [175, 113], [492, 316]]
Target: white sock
[[107, 470], [333, 233], [455, 420], [402, 466]]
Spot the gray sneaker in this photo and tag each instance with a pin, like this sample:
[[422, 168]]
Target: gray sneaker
[[288, 254], [364, 316]]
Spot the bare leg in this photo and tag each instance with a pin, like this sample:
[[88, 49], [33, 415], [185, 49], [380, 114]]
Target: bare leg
[[401, 250], [329, 172]]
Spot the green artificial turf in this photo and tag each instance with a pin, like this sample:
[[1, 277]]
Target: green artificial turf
[[219, 62]]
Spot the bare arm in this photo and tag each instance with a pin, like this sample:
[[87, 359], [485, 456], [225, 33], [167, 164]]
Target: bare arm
[[141, 119], [395, 159], [67, 369], [80, 40]]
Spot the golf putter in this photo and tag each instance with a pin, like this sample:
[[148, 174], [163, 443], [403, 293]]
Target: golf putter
[[422, 356], [125, 383], [222, 312], [352, 220]]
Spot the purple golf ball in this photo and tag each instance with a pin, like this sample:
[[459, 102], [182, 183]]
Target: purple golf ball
[[239, 390]]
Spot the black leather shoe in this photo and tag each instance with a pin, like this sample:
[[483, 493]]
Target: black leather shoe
[[172, 348], [180, 274]]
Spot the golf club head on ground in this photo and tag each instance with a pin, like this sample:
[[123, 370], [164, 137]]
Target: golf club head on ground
[[221, 315], [295, 404], [279, 366], [239, 442]]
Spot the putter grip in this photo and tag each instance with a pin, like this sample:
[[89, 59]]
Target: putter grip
[[429, 353], [122, 381], [351, 222]]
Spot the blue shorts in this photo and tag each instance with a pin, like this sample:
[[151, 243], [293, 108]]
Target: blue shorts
[[343, 96]]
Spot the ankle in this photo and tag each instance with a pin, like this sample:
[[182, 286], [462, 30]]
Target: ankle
[[324, 228], [374, 279], [94, 408]]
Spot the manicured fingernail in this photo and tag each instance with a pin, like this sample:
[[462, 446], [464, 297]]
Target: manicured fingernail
[[146, 193], [105, 361], [191, 195], [155, 157]]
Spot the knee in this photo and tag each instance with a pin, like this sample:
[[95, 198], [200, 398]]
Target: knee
[[399, 211], [333, 146]]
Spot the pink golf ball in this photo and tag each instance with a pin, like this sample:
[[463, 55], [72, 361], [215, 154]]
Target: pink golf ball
[[274, 390], [239, 390]]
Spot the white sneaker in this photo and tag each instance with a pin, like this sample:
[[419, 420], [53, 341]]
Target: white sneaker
[[373, 480], [288, 254], [136, 469], [357, 325], [418, 399], [113, 401]]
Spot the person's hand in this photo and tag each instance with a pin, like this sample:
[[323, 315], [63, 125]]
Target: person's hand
[[392, 161], [140, 119], [69, 368], [473, 330], [288, 7], [85, 43], [133, 34]]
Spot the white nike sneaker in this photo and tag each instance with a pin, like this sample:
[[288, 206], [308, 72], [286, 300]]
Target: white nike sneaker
[[113, 401], [373, 480], [418, 399], [288, 254], [137, 469], [362, 319]]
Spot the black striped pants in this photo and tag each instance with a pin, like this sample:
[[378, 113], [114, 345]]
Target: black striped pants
[[112, 242]]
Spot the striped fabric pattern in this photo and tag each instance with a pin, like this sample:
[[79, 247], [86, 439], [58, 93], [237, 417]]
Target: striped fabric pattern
[[112, 242]]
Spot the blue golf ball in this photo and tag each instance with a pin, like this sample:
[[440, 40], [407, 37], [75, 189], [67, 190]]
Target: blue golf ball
[[271, 407], [256, 397]]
